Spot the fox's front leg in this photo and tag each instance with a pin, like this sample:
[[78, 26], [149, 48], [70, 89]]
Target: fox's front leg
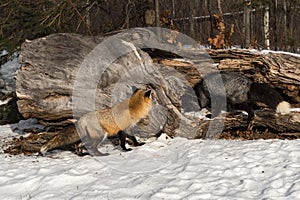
[[133, 139], [122, 137]]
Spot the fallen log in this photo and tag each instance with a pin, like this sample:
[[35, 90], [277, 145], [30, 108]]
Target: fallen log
[[45, 84]]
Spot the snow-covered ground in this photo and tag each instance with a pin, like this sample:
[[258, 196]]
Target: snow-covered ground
[[161, 169]]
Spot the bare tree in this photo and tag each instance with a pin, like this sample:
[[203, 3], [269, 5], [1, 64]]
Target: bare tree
[[267, 25], [173, 8], [284, 21], [157, 13], [247, 25], [127, 13], [220, 7], [275, 25], [192, 18], [209, 8]]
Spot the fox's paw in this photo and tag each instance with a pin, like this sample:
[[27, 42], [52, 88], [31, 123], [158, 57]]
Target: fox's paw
[[140, 143], [127, 149], [104, 154], [98, 153]]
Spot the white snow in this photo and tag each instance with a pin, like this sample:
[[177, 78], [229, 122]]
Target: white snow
[[295, 109], [9, 68], [5, 101], [280, 52], [264, 51], [3, 53], [161, 169], [8, 73]]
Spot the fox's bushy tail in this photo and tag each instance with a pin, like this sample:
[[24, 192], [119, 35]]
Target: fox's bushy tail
[[65, 137]]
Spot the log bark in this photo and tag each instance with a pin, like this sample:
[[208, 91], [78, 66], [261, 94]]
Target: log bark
[[265, 125], [280, 123], [44, 85]]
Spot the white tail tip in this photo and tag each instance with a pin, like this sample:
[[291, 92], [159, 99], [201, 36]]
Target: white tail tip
[[283, 108]]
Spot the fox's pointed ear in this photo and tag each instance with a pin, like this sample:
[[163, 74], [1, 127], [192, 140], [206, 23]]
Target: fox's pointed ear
[[148, 93], [134, 89]]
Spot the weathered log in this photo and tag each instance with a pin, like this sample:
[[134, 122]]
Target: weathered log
[[186, 68], [278, 123], [45, 86]]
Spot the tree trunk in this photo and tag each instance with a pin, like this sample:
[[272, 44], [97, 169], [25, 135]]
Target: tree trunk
[[266, 26], [157, 12], [285, 24], [247, 29], [275, 26], [192, 18], [173, 9], [157, 19], [88, 14], [220, 7], [127, 14], [209, 8]]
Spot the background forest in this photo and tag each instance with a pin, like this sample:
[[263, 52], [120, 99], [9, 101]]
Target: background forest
[[265, 24]]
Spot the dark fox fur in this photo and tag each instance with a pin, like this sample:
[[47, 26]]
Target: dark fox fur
[[265, 94], [239, 92], [218, 88]]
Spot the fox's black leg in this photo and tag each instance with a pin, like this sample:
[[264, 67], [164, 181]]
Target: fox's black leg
[[133, 139], [122, 137], [248, 108]]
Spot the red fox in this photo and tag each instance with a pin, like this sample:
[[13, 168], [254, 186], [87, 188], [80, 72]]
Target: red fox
[[95, 126]]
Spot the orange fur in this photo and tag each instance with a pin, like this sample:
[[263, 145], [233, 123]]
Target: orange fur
[[97, 125]]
